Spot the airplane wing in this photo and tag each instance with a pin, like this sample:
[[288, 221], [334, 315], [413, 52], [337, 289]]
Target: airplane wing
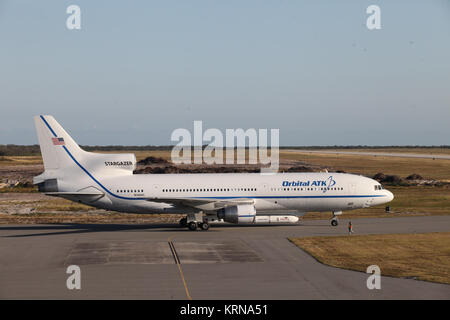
[[204, 204]]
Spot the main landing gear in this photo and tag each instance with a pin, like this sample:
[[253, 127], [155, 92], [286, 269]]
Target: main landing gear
[[334, 220], [194, 225], [194, 222], [183, 222]]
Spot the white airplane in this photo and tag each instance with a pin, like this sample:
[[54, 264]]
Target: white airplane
[[107, 181]]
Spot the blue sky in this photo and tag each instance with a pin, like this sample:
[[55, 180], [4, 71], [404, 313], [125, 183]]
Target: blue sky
[[137, 70]]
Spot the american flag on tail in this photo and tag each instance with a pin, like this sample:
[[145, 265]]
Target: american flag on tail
[[58, 141]]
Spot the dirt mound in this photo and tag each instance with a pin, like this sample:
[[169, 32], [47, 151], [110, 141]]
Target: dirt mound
[[391, 179], [414, 176], [152, 160], [380, 177], [300, 169]]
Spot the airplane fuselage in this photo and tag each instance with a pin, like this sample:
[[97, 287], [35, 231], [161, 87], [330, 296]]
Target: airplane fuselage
[[284, 192]]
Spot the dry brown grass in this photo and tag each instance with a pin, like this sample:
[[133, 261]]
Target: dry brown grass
[[60, 204], [20, 160], [370, 165], [427, 151], [362, 164], [423, 256], [19, 190]]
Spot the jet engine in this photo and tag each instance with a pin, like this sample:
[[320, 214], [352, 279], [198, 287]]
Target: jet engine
[[244, 213]]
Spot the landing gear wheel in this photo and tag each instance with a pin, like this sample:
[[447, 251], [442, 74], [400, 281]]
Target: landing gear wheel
[[334, 222], [183, 222], [204, 226], [192, 226]]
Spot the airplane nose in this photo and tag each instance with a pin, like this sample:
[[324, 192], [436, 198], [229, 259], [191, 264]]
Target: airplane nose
[[390, 196]]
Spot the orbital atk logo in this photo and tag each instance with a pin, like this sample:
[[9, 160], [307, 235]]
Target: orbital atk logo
[[326, 184]]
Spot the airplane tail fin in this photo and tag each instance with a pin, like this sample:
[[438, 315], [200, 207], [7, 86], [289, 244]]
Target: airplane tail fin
[[54, 141], [65, 160]]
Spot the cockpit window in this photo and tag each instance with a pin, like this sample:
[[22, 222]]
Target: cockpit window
[[378, 187]]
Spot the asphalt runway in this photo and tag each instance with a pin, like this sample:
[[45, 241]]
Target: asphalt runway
[[166, 262]]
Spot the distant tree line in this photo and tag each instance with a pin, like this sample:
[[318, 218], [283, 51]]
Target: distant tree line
[[32, 150], [19, 150]]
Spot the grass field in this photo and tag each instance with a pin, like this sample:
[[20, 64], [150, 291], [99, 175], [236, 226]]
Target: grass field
[[20, 160], [361, 164], [418, 150], [370, 165], [422, 256]]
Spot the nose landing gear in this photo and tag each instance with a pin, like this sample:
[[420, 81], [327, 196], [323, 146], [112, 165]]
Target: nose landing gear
[[334, 220]]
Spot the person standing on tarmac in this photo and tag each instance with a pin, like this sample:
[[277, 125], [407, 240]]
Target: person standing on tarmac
[[350, 228]]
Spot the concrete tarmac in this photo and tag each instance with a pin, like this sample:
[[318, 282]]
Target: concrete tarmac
[[226, 262]]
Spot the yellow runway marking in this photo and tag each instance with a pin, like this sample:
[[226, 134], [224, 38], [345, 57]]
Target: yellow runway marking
[[177, 262]]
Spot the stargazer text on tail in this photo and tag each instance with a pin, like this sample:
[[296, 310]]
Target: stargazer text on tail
[[107, 181]]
